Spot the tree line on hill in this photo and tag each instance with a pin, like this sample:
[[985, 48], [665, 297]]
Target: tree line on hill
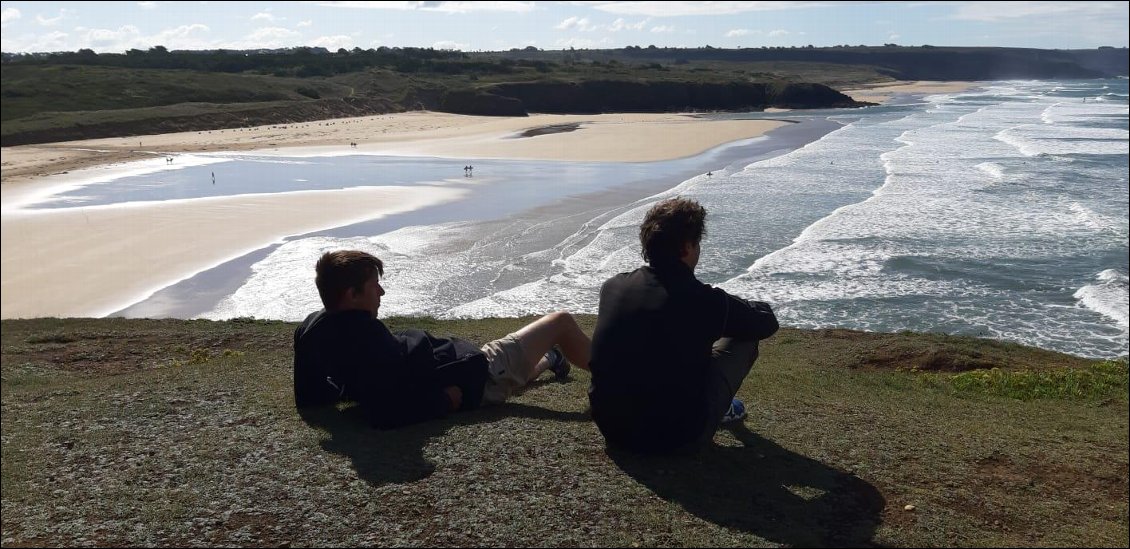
[[910, 63]]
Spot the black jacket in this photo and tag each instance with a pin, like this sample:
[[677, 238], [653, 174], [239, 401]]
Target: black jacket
[[398, 379], [650, 350]]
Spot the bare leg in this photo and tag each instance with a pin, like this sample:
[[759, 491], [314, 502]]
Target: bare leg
[[555, 329]]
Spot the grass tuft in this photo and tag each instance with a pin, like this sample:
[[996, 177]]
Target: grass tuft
[[1098, 382]]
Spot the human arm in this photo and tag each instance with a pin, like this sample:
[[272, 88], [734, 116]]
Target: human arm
[[746, 320], [393, 393]]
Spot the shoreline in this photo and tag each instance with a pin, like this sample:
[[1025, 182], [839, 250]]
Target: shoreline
[[45, 248], [122, 255], [425, 133], [198, 296], [630, 137], [883, 92], [99, 259]]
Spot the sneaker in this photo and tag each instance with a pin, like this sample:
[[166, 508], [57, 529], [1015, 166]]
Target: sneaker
[[558, 364], [735, 413]]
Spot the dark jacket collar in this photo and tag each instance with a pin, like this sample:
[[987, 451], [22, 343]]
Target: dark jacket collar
[[672, 268]]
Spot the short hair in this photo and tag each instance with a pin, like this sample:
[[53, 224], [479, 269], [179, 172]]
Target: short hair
[[668, 226], [344, 269]]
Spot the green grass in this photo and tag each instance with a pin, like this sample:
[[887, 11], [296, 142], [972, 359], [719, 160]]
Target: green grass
[[1098, 382], [29, 90], [169, 432], [64, 102]]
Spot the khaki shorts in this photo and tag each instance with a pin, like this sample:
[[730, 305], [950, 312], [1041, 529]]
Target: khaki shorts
[[509, 369]]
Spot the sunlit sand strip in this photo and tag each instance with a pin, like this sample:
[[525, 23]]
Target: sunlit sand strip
[[92, 261], [881, 93], [603, 137]]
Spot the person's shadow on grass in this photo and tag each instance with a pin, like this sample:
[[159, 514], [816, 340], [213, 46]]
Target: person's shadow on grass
[[764, 489], [397, 456]]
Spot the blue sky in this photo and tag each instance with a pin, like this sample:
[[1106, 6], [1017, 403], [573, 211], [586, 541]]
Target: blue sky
[[118, 26]]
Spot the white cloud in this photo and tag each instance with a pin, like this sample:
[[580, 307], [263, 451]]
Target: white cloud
[[996, 11], [449, 45], [104, 39], [9, 15], [333, 43], [181, 37], [306, 23], [778, 33], [677, 8], [582, 43], [184, 37], [445, 7], [578, 23], [272, 37], [47, 22], [146, 5], [262, 16], [894, 37], [52, 41], [741, 32], [663, 28], [619, 24]]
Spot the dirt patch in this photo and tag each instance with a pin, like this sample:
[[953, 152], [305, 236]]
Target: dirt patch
[[118, 350], [928, 352], [1070, 481], [936, 359]]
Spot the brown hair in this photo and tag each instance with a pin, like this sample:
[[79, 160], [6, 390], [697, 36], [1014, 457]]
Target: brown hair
[[668, 226], [344, 269]]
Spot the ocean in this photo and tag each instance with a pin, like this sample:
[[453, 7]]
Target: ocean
[[999, 212]]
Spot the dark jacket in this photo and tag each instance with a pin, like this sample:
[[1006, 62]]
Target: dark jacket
[[398, 379], [650, 350]]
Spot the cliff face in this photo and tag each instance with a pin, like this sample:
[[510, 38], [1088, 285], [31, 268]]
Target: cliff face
[[600, 96], [485, 104]]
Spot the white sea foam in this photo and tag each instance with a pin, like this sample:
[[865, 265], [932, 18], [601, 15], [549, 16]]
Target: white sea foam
[[907, 220], [1033, 140], [1109, 297], [994, 170]]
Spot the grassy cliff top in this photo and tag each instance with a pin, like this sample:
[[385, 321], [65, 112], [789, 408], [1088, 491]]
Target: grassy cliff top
[[168, 432]]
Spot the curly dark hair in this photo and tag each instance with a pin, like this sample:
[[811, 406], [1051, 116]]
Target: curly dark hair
[[668, 226], [344, 269]]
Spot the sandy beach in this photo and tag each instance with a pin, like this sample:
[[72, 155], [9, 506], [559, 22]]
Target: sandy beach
[[881, 93], [604, 137], [95, 260], [91, 261]]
